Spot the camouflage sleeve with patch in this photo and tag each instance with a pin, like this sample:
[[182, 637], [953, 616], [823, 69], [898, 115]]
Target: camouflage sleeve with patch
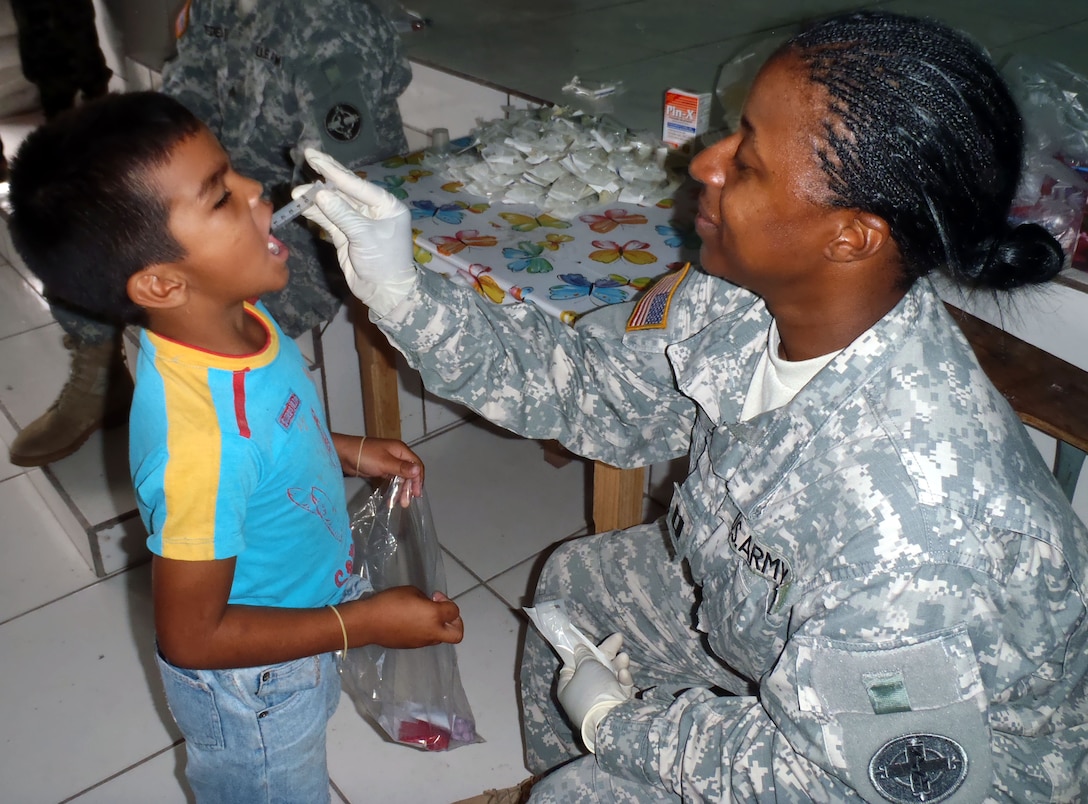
[[347, 90], [884, 693]]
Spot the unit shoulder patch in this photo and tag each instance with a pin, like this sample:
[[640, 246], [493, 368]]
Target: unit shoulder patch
[[343, 122], [918, 768]]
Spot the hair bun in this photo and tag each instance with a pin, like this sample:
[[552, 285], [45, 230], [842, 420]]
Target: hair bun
[[1028, 255]]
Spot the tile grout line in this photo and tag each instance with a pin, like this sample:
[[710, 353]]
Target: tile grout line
[[123, 771], [67, 595]]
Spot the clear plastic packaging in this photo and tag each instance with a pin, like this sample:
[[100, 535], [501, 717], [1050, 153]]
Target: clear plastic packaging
[[1053, 190], [414, 695], [592, 89], [737, 74], [551, 619], [1054, 103], [576, 161]]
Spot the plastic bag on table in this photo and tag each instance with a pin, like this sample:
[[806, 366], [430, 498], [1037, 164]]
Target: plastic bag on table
[[1053, 190], [414, 695], [736, 75], [1054, 196], [1053, 101]]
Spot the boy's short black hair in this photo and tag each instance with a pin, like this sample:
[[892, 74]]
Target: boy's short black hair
[[85, 218]]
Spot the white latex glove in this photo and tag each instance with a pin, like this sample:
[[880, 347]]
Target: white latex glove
[[590, 690], [372, 232]]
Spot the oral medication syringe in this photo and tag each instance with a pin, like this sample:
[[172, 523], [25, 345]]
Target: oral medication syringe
[[288, 212]]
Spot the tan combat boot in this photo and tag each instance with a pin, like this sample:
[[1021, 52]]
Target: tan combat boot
[[518, 794], [98, 394]]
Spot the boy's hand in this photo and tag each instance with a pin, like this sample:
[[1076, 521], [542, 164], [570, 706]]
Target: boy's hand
[[381, 457], [404, 617], [372, 232]]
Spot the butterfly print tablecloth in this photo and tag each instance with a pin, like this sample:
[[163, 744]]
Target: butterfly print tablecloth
[[515, 253]]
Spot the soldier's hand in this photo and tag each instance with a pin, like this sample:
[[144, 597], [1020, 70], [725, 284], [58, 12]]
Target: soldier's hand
[[590, 689], [371, 230]]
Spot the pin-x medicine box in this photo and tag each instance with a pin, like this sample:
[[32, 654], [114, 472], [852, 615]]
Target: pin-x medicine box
[[687, 115]]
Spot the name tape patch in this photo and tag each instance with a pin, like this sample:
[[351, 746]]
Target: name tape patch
[[760, 559]]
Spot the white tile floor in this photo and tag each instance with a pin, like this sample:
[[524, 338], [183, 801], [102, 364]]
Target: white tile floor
[[81, 714], [81, 710]]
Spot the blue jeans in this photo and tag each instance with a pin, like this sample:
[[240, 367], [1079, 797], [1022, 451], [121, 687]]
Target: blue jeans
[[256, 735]]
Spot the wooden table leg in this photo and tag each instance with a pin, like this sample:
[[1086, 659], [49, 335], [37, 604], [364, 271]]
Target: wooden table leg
[[378, 373], [617, 497]]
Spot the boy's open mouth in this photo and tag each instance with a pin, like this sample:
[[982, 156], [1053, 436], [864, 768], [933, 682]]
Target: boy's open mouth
[[276, 247]]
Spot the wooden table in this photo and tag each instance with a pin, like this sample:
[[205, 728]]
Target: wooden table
[[1046, 392]]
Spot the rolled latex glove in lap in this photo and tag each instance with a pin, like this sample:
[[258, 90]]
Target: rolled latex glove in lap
[[590, 690], [371, 230]]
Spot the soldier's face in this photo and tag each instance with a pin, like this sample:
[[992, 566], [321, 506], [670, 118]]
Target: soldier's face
[[763, 216]]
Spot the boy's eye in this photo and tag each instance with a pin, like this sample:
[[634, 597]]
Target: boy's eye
[[222, 202]]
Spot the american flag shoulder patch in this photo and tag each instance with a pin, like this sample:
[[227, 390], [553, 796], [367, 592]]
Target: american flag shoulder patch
[[652, 310]]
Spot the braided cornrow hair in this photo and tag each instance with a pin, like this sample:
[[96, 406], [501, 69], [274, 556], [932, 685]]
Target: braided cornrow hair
[[923, 132]]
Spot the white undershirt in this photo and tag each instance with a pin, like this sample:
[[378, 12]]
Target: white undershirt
[[776, 380]]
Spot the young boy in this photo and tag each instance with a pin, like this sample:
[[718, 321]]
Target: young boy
[[128, 207]]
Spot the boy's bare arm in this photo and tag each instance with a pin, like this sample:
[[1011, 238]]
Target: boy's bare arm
[[196, 627]]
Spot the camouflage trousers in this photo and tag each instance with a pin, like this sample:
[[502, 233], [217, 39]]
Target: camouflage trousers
[[312, 296], [622, 581]]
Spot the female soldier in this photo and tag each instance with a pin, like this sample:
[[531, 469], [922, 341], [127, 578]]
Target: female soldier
[[871, 583]]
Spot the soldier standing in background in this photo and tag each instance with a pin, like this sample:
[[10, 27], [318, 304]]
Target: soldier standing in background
[[59, 51], [268, 77]]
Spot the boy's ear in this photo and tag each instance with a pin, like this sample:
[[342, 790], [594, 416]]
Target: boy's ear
[[158, 287], [861, 236]]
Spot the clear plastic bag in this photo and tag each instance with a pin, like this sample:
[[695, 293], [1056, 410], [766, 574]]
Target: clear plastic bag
[[736, 75], [414, 695], [1053, 191], [1053, 100]]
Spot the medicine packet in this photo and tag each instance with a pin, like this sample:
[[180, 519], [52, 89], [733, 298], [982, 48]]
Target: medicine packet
[[551, 619]]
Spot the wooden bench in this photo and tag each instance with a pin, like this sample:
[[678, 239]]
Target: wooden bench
[[1046, 392]]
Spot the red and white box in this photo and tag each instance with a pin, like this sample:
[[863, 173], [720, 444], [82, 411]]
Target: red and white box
[[687, 115]]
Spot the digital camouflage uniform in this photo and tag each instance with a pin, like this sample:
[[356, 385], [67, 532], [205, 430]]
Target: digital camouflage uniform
[[59, 51], [271, 82], [880, 592]]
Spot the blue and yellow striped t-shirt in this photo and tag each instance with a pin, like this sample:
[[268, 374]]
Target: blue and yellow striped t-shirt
[[230, 457]]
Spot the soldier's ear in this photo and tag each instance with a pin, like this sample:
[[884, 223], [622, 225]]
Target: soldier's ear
[[860, 236]]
